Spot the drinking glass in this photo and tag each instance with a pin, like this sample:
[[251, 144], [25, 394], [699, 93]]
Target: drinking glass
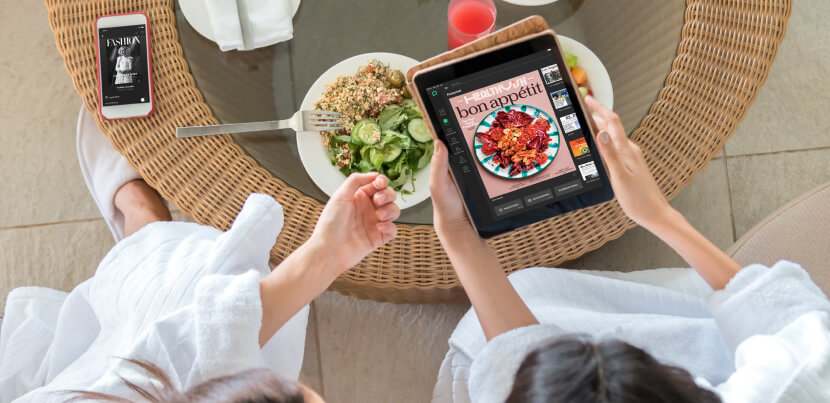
[[468, 20]]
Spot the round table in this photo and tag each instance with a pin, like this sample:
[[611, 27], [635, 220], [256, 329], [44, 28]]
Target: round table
[[684, 75], [271, 82]]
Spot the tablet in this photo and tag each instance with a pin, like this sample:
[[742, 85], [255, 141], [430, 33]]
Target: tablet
[[521, 148]]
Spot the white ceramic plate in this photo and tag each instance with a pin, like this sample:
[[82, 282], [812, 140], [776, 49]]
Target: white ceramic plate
[[196, 14], [314, 155], [598, 77]]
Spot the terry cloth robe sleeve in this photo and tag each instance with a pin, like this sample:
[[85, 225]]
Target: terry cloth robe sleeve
[[28, 329], [181, 296], [778, 323], [228, 317]]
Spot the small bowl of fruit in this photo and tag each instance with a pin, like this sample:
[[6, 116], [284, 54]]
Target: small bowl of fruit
[[588, 72]]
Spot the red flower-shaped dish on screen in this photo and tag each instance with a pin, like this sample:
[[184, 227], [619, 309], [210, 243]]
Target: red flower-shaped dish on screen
[[516, 140]]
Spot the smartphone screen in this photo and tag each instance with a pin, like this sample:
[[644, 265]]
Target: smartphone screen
[[123, 58]]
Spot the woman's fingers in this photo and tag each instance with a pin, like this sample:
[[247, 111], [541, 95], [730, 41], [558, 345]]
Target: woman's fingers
[[379, 183], [389, 212], [600, 122], [387, 231], [609, 148], [353, 183], [439, 176], [385, 196], [612, 122], [438, 172], [609, 153]]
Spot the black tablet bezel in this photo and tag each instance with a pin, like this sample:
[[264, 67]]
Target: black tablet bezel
[[443, 74]]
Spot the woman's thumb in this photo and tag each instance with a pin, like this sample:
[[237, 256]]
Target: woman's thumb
[[607, 150], [439, 162], [354, 182]]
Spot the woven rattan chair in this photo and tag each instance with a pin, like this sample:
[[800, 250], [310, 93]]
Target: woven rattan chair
[[724, 56]]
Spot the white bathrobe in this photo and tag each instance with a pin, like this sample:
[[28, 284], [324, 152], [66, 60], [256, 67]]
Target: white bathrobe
[[182, 296], [764, 338]]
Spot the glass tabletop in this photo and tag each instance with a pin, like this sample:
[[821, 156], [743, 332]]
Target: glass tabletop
[[636, 42]]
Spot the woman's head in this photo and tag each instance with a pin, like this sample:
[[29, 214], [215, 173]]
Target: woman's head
[[254, 385], [122, 51], [577, 370]]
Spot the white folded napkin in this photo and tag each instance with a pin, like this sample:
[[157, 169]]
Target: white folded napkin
[[250, 24], [266, 22], [224, 17]]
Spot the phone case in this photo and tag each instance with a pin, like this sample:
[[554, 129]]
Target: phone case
[[149, 67]]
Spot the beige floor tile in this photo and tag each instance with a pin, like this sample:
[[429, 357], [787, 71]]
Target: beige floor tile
[[791, 110], [377, 352], [761, 184], [311, 374], [38, 108], [705, 203], [179, 216], [57, 256]]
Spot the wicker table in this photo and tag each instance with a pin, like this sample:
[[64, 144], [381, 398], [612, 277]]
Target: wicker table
[[684, 75]]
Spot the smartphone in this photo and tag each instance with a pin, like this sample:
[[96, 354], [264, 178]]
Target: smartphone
[[125, 80]]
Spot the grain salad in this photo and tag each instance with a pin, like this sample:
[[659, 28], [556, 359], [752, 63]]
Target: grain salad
[[359, 96]]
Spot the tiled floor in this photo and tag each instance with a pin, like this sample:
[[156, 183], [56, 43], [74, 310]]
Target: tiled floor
[[359, 351]]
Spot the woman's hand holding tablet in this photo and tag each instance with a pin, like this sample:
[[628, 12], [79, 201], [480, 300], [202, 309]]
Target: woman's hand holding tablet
[[643, 202], [635, 188], [449, 217]]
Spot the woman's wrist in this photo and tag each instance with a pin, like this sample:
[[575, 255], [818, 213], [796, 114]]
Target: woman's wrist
[[460, 241], [669, 224], [294, 283], [454, 228], [707, 259], [663, 219], [324, 256]]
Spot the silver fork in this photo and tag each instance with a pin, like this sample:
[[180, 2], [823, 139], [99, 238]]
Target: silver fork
[[302, 121]]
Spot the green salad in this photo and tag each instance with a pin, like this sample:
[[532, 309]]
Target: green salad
[[396, 144]]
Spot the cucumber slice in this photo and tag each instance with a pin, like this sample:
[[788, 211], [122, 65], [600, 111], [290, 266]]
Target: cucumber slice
[[419, 131], [367, 131], [390, 153]]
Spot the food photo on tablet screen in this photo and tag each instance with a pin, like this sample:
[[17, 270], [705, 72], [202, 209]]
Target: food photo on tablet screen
[[516, 144]]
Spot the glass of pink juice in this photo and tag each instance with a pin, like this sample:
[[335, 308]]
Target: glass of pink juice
[[469, 20]]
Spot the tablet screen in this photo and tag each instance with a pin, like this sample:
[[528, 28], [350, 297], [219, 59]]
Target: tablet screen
[[515, 137]]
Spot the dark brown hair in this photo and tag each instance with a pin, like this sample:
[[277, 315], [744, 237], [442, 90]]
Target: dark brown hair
[[251, 386], [574, 369]]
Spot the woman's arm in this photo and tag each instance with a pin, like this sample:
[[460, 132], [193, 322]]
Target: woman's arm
[[792, 360], [710, 262], [498, 306], [356, 220], [300, 278], [641, 199]]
